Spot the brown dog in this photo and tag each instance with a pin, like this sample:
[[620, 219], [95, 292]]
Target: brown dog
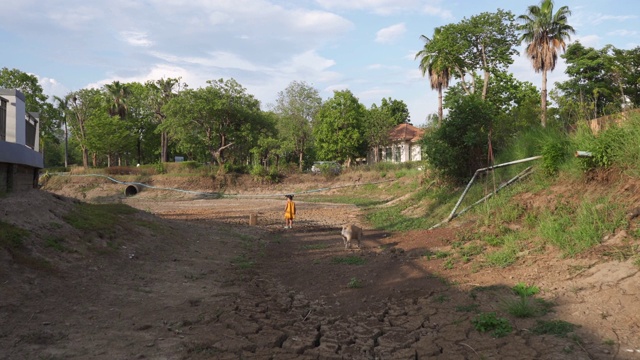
[[351, 232]]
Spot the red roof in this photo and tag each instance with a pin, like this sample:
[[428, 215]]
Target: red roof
[[406, 132]]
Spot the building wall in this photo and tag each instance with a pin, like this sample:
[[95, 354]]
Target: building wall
[[398, 152], [16, 125], [17, 178]]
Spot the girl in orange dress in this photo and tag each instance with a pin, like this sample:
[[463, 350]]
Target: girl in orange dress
[[289, 212]]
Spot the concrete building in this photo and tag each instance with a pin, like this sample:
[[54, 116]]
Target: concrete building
[[403, 146], [20, 157]]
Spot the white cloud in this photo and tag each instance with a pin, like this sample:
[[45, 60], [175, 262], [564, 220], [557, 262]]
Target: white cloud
[[623, 33], [391, 33], [373, 95], [75, 17], [136, 38], [51, 87], [600, 18], [437, 11], [588, 40], [382, 7]]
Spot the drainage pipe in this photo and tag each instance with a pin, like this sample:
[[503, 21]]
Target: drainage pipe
[[132, 190]]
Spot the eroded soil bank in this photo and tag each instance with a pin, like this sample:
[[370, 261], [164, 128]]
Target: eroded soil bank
[[187, 278]]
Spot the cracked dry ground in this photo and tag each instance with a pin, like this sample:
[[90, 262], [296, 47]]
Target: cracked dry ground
[[214, 288]]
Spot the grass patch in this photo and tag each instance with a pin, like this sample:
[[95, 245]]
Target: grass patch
[[557, 328], [508, 253], [55, 242], [97, 217], [468, 308], [315, 246], [349, 260], [243, 262], [11, 236], [485, 322], [576, 228], [354, 283]]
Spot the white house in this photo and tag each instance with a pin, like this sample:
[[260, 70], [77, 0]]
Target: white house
[[403, 145], [20, 157]]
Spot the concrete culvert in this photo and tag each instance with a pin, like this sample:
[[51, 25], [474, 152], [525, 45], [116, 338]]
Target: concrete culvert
[[131, 190]]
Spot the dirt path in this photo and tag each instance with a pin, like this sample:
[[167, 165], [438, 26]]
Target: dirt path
[[201, 284]]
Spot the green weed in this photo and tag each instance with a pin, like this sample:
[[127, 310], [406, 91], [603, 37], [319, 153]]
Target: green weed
[[97, 217], [315, 246], [243, 262], [349, 260], [11, 236], [354, 283], [485, 322], [55, 243], [558, 328], [468, 308]]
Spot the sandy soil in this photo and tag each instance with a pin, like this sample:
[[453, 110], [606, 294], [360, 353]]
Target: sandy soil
[[188, 278]]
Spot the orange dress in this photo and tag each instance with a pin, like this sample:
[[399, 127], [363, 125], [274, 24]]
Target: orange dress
[[290, 210]]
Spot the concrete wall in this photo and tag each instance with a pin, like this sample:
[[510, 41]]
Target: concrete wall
[[16, 125], [17, 178]]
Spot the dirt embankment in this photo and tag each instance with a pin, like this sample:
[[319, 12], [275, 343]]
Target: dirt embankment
[[187, 278]]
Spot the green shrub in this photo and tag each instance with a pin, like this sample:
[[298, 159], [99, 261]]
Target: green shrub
[[486, 322], [459, 146]]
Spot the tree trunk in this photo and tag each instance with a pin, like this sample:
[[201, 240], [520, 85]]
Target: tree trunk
[[85, 157], [164, 145], [543, 99], [66, 146], [439, 105], [300, 160]]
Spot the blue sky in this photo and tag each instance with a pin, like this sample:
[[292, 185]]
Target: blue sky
[[367, 46]]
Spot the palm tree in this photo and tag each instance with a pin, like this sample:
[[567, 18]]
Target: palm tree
[[63, 110], [545, 33], [118, 93], [434, 64]]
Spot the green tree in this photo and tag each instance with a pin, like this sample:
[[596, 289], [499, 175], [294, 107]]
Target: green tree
[[491, 40], [545, 33], [435, 61], [397, 110], [458, 147], [117, 94], [63, 114], [378, 122], [160, 93], [590, 83], [109, 137], [297, 106], [141, 123], [84, 106], [338, 129], [211, 118]]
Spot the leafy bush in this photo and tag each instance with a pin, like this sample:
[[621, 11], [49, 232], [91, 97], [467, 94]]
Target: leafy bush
[[459, 146], [485, 322]]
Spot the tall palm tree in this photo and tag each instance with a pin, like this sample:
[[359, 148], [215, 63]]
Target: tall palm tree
[[63, 110], [434, 64], [545, 34], [118, 93]]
